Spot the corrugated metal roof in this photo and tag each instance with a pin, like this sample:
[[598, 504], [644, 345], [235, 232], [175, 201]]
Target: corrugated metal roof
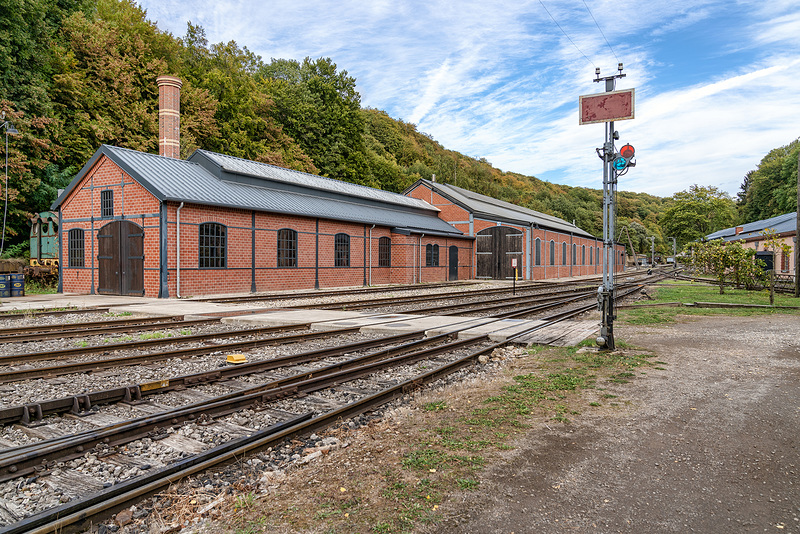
[[311, 181], [491, 207], [780, 224], [170, 179]]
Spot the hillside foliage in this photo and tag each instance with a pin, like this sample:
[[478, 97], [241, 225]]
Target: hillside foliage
[[771, 189], [81, 73]]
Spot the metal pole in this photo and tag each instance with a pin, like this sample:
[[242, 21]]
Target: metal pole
[[797, 236], [5, 192], [674, 253]]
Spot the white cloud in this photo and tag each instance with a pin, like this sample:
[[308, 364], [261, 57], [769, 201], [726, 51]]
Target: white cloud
[[500, 80]]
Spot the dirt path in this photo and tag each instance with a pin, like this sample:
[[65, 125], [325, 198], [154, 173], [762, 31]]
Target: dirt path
[[709, 444]]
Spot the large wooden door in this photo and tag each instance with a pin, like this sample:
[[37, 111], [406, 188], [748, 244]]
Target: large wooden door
[[496, 248], [121, 259], [452, 263]]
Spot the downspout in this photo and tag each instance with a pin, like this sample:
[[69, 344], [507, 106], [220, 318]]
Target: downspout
[[178, 241], [413, 262], [420, 257], [547, 251], [573, 252], [370, 255]]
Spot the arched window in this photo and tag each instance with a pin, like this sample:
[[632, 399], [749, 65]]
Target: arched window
[[287, 247], [574, 254], [583, 254], [563, 253], [384, 252], [341, 250], [212, 246], [597, 254], [75, 248], [552, 252], [538, 250], [590, 255]]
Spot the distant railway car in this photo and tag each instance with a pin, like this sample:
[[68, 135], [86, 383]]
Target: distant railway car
[[44, 240]]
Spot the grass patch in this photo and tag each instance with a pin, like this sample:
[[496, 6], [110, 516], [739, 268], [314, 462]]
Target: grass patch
[[689, 292], [396, 476]]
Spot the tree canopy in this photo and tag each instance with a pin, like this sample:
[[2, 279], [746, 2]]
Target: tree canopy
[[81, 73], [771, 189], [697, 212]]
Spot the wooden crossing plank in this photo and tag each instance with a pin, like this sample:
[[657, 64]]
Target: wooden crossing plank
[[74, 483], [40, 432], [563, 334], [96, 418], [182, 443]]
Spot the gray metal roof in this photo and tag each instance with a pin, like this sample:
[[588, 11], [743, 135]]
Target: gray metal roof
[[780, 224], [272, 173], [170, 179], [489, 207]]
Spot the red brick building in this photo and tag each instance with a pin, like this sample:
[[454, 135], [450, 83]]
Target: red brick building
[[134, 223], [541, 246], [140, 224]]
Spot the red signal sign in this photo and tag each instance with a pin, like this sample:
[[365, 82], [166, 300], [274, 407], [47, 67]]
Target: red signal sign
[[606, 107], [627, 151]]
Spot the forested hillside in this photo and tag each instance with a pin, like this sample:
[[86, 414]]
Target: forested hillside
[[81, 73]]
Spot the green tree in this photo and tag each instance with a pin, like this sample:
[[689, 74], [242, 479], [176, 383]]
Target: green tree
[[774, 244], [771, 189], [28, 155], [725, 260], [697, 212], [319, 108]]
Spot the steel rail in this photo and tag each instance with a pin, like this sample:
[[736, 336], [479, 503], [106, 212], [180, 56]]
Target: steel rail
[[78, 515], [97, 365], [113, 329], [5, 332], [13, 359], [45, 312], [59, 370], [108, 497], [26, 459], [34, 411], [373, 303], [331, 292]]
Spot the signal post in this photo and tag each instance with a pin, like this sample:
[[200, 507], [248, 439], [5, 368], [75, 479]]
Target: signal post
[[608, 107]]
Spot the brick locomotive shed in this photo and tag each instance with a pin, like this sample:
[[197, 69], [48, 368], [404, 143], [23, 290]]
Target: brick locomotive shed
[[133, 223], [542, 245]]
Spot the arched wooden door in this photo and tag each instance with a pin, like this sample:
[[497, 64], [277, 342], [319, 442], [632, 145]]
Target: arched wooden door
[[497, 247], [120, 259]]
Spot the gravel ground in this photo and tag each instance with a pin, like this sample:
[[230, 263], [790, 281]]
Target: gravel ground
[[709, 444]]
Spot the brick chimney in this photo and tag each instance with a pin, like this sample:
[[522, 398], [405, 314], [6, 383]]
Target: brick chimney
[[169, 116]]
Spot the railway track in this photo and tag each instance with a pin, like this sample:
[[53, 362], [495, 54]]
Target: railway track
[[282, 397]]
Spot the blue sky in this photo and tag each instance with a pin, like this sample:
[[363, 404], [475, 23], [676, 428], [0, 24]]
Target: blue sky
[[717, 81]]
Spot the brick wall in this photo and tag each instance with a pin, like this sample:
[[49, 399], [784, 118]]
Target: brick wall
[[562, 266], [82, 210], [247, 267]]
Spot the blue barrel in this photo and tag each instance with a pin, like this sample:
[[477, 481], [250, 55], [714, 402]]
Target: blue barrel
[[17, 285], [5, 286]]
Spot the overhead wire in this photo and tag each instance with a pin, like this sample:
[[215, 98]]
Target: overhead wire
[[573, 42], [601, 31], [565, 34]]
